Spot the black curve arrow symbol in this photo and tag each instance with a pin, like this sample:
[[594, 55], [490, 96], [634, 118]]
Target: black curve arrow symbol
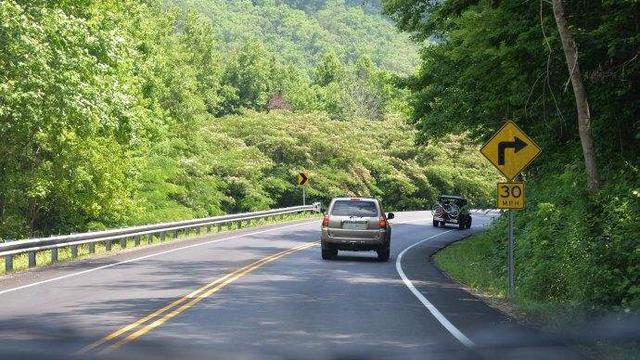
[[516, 145]]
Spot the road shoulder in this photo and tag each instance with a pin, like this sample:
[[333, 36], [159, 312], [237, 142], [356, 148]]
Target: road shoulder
[[563, 322], [494, 332]]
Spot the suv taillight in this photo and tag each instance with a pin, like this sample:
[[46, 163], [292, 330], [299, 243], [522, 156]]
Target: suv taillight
[[325, 221], [382, 222]]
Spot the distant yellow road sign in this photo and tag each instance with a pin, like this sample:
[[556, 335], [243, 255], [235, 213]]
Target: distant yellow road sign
[[303, 179], [511, 195], [510, 150]]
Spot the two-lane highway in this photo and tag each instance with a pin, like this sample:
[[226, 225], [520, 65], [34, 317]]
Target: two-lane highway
[[261, 293]]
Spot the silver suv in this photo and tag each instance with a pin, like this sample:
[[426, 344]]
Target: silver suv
[[357, 224]]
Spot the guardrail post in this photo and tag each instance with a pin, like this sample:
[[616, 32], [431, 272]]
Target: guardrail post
[[107, 245], [208, 228], [123, 243], [219, 227], [163, 235], [54, 255], [136, 240], [8, 263], [239, 224], [92, 248], [74, 251], [32, 259], [198, 230]]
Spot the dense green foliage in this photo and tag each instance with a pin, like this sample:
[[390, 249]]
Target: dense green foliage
[[358, 158], [249, 161], [299, 32], [489, 61], [124, 112]]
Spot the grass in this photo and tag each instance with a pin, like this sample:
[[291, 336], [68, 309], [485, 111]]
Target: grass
[[43, 258], [470, 263]]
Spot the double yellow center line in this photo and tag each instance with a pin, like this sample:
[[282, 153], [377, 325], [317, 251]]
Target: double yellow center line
[[136, 329]]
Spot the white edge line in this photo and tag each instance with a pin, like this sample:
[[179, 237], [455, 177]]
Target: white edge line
[[148, 256], [432, 309]]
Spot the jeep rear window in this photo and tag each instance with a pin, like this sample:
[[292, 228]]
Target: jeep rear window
[[360, 208]]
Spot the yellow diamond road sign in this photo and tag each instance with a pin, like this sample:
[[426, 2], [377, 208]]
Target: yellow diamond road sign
[[510, 150]]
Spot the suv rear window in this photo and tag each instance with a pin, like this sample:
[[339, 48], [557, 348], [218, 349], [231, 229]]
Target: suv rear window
[[361, 208]]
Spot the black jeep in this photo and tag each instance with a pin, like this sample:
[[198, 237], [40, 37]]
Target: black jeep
[[451, 209]]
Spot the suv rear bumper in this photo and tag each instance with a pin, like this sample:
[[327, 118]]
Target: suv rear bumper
[[450, 221], [373, 242]]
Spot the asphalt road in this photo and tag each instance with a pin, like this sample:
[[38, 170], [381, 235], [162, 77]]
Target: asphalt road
[[262, 293]]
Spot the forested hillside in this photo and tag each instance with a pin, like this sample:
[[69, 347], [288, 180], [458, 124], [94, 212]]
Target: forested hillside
[[351, 158], [576, 243], [299, 33], [125, 112]]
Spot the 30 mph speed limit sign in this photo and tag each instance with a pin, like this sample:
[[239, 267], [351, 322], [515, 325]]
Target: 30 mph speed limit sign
[[511, 195]]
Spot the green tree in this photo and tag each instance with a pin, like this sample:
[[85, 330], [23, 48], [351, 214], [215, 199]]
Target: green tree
[[329, 69], [65, 113], [246, 78], [488, 61], [198, 35]]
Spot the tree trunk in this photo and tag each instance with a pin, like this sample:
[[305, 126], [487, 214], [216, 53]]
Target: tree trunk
[[582, 105]]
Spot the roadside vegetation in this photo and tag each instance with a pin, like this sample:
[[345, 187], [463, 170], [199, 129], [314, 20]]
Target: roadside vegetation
[[578, 241], [115, 113], [578, 244], [479, 264]]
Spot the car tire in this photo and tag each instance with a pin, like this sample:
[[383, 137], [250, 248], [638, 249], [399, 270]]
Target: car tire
[[469, 222], [384, 253], [329, 253], [462, 224], [435, 223], [443, 224]]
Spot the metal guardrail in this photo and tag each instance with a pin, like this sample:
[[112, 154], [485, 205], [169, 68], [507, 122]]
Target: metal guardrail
[[160, 231], [486, 211]]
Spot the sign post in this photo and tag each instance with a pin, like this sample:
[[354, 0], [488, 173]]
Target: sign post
[[303, 180], [510, 265], [510, 150]]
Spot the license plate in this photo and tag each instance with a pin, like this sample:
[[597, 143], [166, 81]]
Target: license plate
[[354, 226]]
